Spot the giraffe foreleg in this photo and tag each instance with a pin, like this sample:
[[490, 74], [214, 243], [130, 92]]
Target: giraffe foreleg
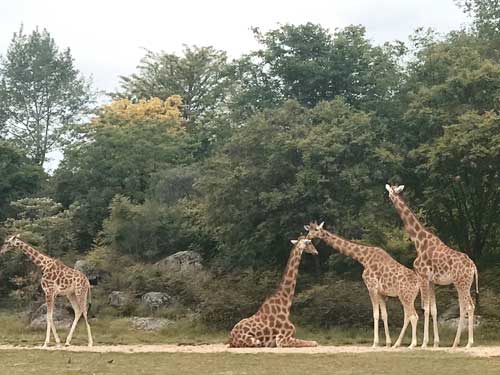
[[433, 308], [49, 300], [424, 292], [375, 305], [383, 312]]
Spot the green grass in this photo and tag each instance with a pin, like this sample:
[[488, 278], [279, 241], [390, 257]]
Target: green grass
[[115, 331], [65, 363]]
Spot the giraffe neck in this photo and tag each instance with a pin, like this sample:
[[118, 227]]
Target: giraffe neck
[[286, 289], [356, 251], [413, 226], [39, 259]]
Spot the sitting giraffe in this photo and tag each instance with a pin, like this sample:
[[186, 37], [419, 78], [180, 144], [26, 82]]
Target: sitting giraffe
[[57, 279], [436, 263], [383, 276], [271, 326]]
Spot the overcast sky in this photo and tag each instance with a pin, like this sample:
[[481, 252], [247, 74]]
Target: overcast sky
[[107, 36]]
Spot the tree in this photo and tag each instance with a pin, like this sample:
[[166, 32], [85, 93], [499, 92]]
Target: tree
[[119, 153], [199, 77], [463, 189], [312, 65], [18, 177], [287, 167], [41, 93]]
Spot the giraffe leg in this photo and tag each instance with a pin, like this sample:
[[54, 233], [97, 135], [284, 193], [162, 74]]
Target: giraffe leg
[[383, 311], [433, 307], [470, 313], [375, 306], [78, 314], [292, 342], [82, 301], [410, 316], [424, 290], [461, 302], [49, 299]]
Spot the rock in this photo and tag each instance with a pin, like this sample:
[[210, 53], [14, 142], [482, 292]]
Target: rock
[[62, 316], [118, 299], [157, 299], [181, 261], [150, 324], [93, 274]]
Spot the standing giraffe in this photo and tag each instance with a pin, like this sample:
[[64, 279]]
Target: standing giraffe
[[438, 264], [270, 326], [383, 276], [57, 279]]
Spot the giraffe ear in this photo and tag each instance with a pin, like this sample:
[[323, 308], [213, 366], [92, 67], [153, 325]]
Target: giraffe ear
[[388, 188], [400, 188], [306, 227], [294, 241], [321, 225]]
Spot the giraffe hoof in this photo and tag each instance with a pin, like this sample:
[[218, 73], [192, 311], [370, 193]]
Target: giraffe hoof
[[412, 346], [436, 345], [424, 346], [66, 344], [395, 346], [468, 346]]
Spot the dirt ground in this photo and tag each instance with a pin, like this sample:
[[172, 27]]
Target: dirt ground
[[480, 351]]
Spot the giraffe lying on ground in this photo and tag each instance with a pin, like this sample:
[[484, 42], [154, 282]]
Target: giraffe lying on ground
[[383, 276], [436, 263], [57, 279], [271, 326]]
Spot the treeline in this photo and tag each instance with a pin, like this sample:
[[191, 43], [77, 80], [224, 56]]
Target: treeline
[[231, 158]]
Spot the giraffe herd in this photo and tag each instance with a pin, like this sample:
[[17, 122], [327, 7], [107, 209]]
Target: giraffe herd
[[270, 326]]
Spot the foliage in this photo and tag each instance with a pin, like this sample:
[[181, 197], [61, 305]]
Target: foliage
[[463, 198], [313, 65], [199, 76], [18, 177], [41, 93]]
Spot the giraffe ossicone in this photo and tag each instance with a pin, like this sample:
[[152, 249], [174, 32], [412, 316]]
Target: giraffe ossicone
[[57, 279], [270, 326], [436, 263]]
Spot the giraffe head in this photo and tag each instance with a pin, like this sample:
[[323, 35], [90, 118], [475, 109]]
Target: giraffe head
[[304, 244], [10, 243], [394, 190], [314, 230]]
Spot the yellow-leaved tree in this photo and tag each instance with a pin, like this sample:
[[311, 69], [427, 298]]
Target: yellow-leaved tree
[[124, 112]]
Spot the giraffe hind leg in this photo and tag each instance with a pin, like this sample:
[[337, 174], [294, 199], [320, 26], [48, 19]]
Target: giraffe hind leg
[[292, 342], [78, 314]]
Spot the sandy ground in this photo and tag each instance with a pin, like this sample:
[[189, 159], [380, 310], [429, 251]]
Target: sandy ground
[[480, 351]]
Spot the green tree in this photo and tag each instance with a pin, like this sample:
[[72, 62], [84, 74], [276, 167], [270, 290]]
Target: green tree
[[41, 93], [463, 188], [199, 76], [312, 65], [118, 158], [18, 177]]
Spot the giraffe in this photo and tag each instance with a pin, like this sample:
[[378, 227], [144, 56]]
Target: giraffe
[[57, 279], [270, 326], [383, 276], [438, 264]]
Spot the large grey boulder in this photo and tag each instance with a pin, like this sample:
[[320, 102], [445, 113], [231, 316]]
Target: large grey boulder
[[181, 261], [150, 324], [118, 299], [157, 299], [450, 317], [62, 316]]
